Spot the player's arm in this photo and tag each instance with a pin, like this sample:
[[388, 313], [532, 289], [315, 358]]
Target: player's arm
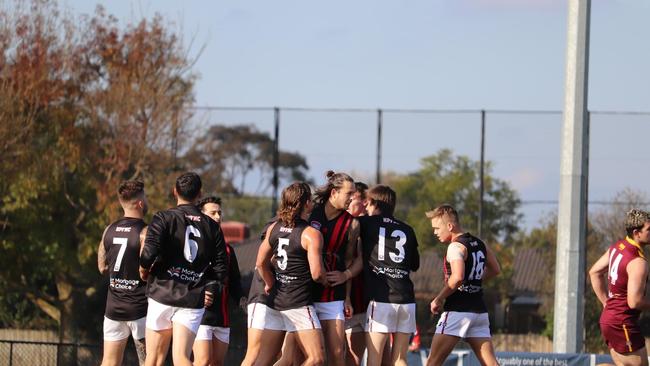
[[637, 272], [102, 265], [312, 241], [598, 277], [151, 248], [492, 267], [263, 262], [219, 262], [456, 254]]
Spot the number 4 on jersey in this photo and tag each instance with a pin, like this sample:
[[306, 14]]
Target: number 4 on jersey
[[613, 267]]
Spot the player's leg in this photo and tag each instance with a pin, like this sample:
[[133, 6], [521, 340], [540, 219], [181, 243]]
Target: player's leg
[[158, 332], [404, 328], [332, 318], [116, 335], [400, 348], [272, 344], [311, 342], [636, 358], [220, 346], [138, 329], [356, 345], [263, 323], [185, 325], [375, 343], [157, 344], [202, 347], [291, 353], [254, 338], [114, 352], [484, 350], [441, 347]]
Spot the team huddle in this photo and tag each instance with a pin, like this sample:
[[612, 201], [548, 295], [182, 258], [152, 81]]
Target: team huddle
[[331, 282]]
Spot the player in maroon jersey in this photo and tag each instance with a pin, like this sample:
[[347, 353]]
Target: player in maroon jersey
[[622, 294]]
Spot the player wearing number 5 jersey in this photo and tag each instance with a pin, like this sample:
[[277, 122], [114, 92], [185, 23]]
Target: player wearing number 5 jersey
[[469, 262], [390, 253], [118, 256], [296, 251], [185, 254], [622, 293]]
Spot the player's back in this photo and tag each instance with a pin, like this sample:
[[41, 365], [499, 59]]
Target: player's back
[[617, 310], [390, 253], [126, 292], [187, 245]]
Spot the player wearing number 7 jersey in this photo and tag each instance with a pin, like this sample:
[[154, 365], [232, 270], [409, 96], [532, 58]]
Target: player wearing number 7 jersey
[[185, 253], [622, 296], [390, 253], [469, 261], [118, 256]]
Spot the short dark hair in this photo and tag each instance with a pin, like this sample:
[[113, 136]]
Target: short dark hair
[[188, 186], [384, 198], [210, 199], [130, 190], [361, 189]]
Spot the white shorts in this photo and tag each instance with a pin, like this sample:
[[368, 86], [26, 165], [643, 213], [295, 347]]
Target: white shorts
[[383, 317], [464, 325], [332, 310], [302, 318], [261, 317], [161, 316], [115, 330], [356, 323], [208, 333]]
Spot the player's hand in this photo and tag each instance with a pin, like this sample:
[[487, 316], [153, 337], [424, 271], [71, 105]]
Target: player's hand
[[336, 278], [209, 299], [436, 306], [144, 274], [267, 289], [348, 310]]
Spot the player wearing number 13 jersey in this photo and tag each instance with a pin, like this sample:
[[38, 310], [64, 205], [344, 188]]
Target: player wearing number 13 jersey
[[390, 253], [185, 254], [619, 281], [468, 262]]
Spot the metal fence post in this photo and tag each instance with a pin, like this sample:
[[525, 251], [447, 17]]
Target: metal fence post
[[276, 159], [379, 123], [481, 177]]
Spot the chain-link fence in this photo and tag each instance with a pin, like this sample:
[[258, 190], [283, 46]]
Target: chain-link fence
[[522, 147], [27, 353]]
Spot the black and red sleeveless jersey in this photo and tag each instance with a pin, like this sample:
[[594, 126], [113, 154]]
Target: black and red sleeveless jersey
[[126, 298], [186, 252], [617, 311], [335, 240], [469, 296], [217, 315], [293, 282], [390, 254]]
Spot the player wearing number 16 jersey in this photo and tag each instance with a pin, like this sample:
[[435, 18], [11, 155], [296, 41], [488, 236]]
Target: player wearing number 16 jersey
[[390, 254], [469, 262], [626, 269], [118, 256], [185, 254]]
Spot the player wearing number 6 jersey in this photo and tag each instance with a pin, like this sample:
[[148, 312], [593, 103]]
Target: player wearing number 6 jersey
[[185, 254], [296, 251], [469, 261], [390, 253], [118, 256], [626, 269]]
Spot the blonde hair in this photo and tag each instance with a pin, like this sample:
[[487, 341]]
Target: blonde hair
[[445, 211], [635, 219]]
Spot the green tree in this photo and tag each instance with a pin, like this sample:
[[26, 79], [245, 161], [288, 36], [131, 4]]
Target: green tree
[[446, 178], [83, 105]]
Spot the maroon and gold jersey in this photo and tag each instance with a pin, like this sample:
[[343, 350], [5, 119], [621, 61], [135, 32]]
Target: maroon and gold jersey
[[617, 310]]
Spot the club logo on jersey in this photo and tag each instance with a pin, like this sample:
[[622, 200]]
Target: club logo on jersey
[[286, 229], [473, 243], [193, 218], [123, 229], [315, 224], [621, 246]]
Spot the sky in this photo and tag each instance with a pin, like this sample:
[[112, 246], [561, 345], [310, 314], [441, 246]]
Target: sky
[[460, 54]]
